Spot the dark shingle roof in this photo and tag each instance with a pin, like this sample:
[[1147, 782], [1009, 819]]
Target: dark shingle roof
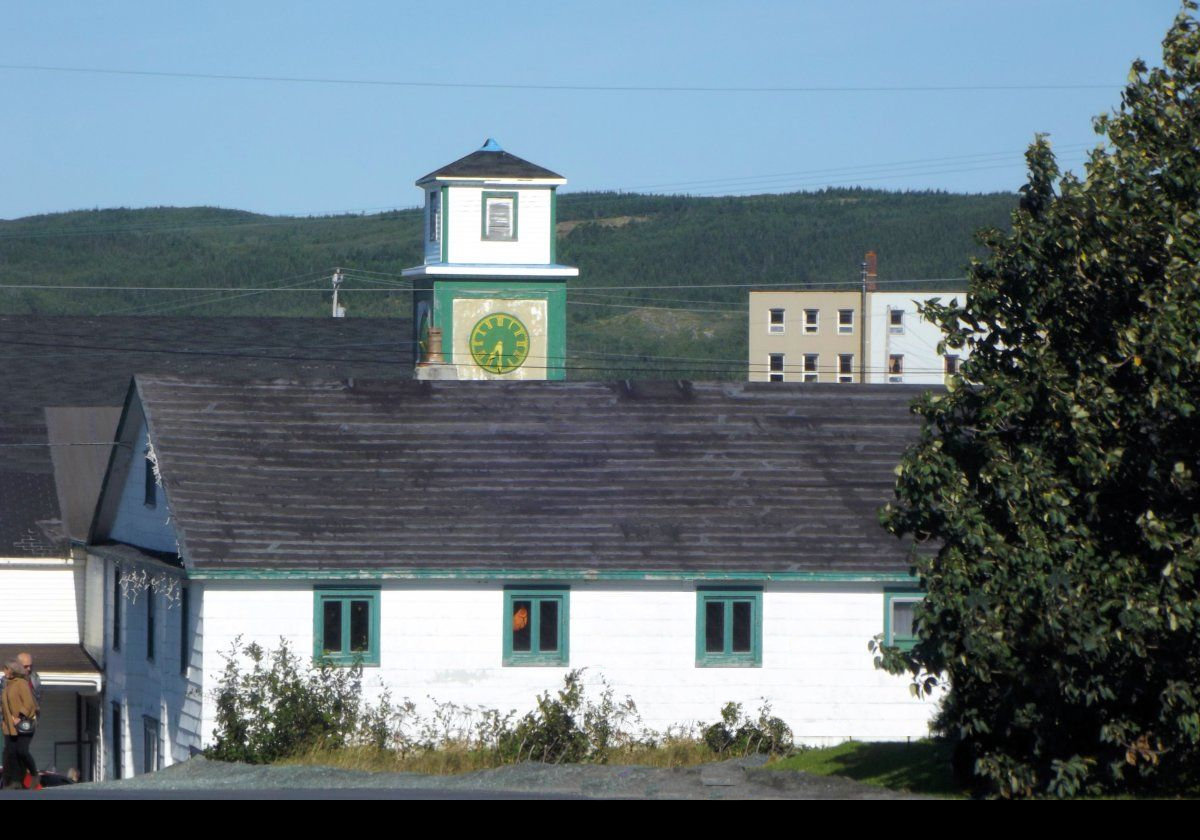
[[88, 361], [490, 164], [530, 475]]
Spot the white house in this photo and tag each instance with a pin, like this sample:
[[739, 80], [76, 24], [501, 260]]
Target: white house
[[472, 541]]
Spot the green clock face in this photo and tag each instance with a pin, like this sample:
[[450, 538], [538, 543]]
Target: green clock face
[[499, 343]]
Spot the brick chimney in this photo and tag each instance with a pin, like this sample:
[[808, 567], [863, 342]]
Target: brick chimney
[[872, 273]]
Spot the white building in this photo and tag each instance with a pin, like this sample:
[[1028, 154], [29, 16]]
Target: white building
[[902, 345], [693, 546]]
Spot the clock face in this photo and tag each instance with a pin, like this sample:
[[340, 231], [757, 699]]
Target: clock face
[[499, 343]]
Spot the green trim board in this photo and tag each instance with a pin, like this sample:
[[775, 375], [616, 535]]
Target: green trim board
[[536, 626], [483, 216], [551, 575], [553, 292], [891, 597], [344, 623], [729, 627]]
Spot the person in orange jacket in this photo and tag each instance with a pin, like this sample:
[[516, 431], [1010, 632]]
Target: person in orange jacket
[[19, 711]]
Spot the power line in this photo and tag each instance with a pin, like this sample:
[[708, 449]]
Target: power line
[[560, 87]]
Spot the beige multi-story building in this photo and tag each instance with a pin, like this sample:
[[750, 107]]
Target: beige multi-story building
[[806, 336]]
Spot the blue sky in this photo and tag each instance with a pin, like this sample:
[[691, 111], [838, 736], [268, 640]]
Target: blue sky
[[75, 140]]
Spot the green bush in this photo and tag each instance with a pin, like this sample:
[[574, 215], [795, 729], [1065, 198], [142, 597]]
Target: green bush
[[736, 735], [281, 707]]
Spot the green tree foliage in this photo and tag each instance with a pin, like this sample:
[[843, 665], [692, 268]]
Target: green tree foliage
[[1057, 496]]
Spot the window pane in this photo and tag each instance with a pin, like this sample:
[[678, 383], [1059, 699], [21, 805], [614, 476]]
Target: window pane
[[714, 626], [776, 316], [331, 620], [548, 627], [499, 218], [776, 361], [743, 612], [522, 618], [360, 626], [902, 619]]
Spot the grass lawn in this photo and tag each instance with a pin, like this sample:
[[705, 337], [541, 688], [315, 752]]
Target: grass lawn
[[920, 767]]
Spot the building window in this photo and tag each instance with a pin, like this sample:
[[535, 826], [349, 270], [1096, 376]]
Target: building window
[[951, 365], [845, 367], [896, 368], [811, 320], [775, 322], [536, 625], [185, 647], [896, 321], [346, 626], [728, 628], [151, 745], [150, 616], [118, 743], [845, 322], [776, 367], [151, 482], [500, 216], [810, 366], [116, 607], [434, 216], [899, 617]]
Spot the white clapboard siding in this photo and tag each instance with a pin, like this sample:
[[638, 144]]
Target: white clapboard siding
[[152, 687], [465, 228], [39, 605], [137, 523], [444, 641]]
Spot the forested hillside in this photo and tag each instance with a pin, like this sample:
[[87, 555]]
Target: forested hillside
[[691, 259]]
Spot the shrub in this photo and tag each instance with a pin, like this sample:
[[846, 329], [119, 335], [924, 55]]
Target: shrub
[[736, 735]]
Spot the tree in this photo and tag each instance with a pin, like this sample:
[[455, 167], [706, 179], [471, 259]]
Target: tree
[[1054, 501]]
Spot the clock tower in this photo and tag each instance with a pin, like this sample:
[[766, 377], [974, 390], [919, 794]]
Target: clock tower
[[490, 281]]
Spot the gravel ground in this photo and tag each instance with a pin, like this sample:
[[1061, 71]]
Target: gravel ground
[[734, 779]]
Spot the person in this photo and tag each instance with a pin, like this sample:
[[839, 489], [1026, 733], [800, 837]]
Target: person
[[9, 761], [16, 705], [35, 682]]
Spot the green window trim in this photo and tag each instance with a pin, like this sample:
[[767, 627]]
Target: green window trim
[[721, 601], [548, 618], [483, 217], [342, 618], [890, 598]]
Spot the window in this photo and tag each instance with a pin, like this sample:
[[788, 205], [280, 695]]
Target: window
[[118, 745], [728, 628], [845, 322], [116, 608], [434, 216], [151, 484], [775, 322], [811, 320], [896, 368], [151, 745], [896, 321], [185, 647], [845, 367], [951, 365], [150, 611], [899, 617], [776, 365], [810, 367], [346, 626], [536, 623], [500, 216]]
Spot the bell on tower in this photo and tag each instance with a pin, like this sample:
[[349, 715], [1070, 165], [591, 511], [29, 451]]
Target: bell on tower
[[491, 281]]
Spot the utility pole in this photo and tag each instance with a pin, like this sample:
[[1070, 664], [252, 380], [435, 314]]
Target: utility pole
[[338, 311], [862, 328]]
